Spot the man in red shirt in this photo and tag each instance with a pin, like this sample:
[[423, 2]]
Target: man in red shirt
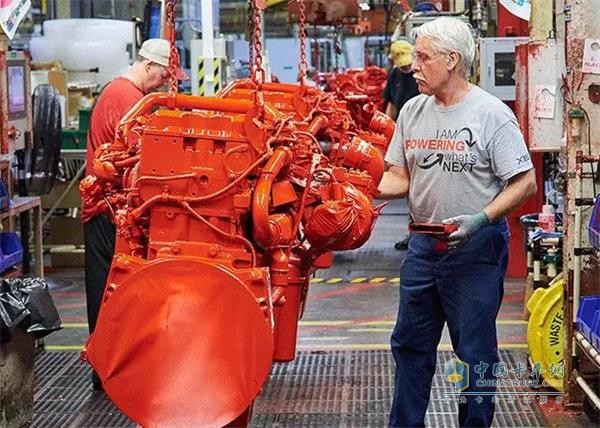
[[147, 74]]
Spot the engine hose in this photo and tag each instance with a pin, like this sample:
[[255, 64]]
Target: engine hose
[[263, 232]]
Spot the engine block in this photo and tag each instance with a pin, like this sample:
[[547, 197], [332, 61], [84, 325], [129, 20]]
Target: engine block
[[224, 207]]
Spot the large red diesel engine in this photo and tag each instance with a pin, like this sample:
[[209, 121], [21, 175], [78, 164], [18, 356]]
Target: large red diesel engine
[[337, 119], [361, 88], [224, 208]]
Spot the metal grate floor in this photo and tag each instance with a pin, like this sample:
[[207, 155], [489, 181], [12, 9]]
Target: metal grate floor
[[362, 260], [333, 388]]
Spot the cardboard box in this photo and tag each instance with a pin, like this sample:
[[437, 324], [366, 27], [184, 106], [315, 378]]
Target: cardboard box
[[79, 98], [58, 79], [67, 256], [65, 231]]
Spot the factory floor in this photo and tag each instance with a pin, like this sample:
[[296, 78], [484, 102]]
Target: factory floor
[[343, 374]]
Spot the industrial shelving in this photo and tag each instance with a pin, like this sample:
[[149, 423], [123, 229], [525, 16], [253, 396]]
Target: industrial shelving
[[18, 205], [583, 353], [21, 205]]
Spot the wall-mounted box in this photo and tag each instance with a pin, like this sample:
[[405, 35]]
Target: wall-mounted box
[[497, 65]]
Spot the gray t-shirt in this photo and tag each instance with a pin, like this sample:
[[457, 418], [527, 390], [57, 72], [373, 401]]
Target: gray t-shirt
[[458, 157]]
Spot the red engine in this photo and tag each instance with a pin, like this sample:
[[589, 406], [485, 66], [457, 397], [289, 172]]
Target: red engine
[[362, 89], [224, 207]]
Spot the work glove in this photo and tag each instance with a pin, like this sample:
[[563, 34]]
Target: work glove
[[468, 225]]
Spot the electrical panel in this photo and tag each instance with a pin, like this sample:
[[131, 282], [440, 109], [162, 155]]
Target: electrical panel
[[15, 99], [497, 65]]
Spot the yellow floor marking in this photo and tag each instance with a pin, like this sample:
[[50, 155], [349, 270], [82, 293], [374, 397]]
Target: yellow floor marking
[[395, 280], [377, 280], [512, 346], [359, 279], [324, 338], [391, 323], [75, 325], [334, 280], [64, 347], [374, 323], [511, 322], [322, 323], [316, 280]]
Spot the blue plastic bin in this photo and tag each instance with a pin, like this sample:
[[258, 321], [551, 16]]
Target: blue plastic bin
[[585, 316], [594, 226], [11, 251], [596, 331], [4, 198]]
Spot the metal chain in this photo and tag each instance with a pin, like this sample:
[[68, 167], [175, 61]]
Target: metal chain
[[250, 58], [258, 75], [316, 52], [173, 54], [336, 48], [303, 65], [250, 39]]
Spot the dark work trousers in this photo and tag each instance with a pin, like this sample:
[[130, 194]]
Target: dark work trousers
[[99, 236], [463, 287]]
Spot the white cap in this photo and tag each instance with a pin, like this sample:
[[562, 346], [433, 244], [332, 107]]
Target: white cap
[[158, 51]]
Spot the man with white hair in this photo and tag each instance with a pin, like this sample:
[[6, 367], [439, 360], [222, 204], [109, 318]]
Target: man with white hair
[[460, 152]]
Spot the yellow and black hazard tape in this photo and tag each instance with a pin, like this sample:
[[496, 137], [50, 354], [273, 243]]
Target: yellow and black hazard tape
[[216, 76], [393, 280], [201, 77]]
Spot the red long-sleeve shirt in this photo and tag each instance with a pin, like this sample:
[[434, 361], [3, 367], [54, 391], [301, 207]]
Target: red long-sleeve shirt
[[117, 98]]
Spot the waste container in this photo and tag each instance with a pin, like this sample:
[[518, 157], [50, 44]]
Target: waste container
[[16, 379], [27, 313]]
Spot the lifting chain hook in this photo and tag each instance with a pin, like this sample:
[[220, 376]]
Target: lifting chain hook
[[303, 65], [173, 54]]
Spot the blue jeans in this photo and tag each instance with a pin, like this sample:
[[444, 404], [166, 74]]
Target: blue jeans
[[463, 287]]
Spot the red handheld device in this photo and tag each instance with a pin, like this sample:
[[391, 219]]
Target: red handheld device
[[437, 230]]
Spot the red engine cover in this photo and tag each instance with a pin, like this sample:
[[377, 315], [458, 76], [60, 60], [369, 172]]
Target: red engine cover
[[170, 314]]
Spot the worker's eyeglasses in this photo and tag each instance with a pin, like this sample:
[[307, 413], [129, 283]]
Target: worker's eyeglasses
[[164, 75], [424, 58]]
